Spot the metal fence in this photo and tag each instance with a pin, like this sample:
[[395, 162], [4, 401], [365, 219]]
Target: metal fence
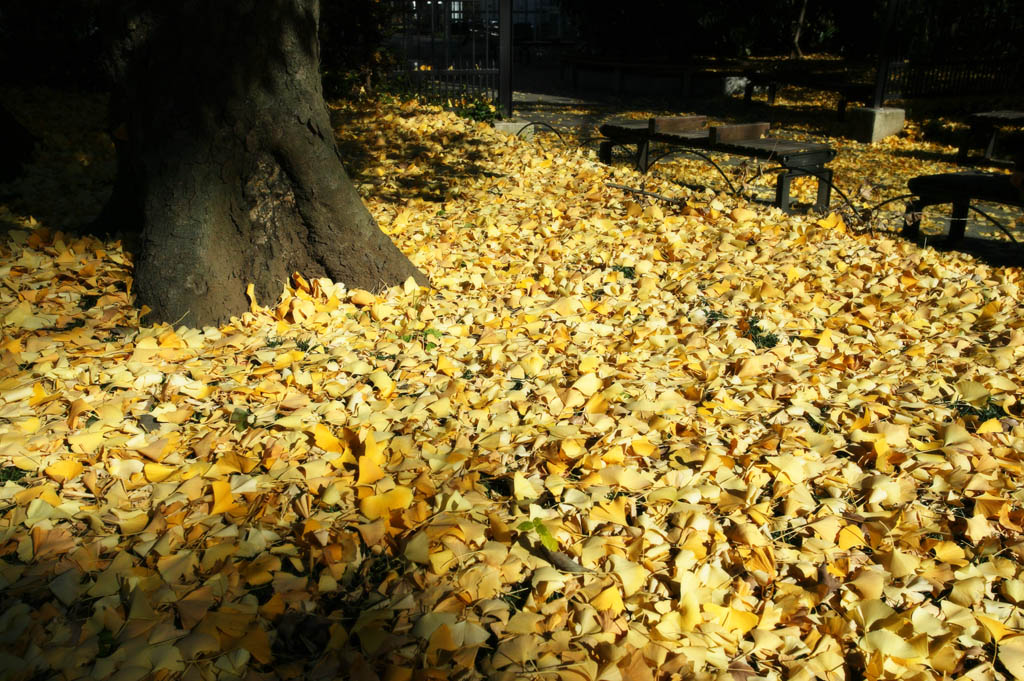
[[909, 78], [452, 83]]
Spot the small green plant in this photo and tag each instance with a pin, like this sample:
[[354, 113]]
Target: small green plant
[[516, 595], [476, 109], [761, 338], [107, 643], [543, 533], [273, 342], [10, 473], [426, 333], [304, 344], [626, 271], [242, 418], [712, 317], [990, 410], [819, 426]]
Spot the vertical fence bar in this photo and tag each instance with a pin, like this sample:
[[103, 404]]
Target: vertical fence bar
[[884, 55], [446, 7], [505, 49]]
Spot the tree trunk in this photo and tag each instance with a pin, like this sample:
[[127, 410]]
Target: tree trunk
[[228, 163], [797, 52]]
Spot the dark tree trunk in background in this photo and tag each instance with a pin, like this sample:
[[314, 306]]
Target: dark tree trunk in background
[[227, 161], [797, 52]]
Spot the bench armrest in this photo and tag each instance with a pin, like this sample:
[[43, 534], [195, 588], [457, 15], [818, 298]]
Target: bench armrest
[[739, 132]]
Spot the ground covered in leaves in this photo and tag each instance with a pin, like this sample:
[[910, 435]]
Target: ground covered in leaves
[[614, 440]]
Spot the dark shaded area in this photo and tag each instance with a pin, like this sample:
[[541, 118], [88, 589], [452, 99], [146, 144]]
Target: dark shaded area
[[442, 159], [60, 43], [17, 143], [988, 251], [652, 30], [352, 38]]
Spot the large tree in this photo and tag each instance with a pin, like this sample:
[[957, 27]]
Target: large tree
[[228, 169]]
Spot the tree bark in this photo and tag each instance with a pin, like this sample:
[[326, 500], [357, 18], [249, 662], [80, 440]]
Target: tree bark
[[228, 163]]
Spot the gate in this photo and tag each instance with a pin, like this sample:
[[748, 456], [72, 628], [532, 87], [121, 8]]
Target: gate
[[446, 48]]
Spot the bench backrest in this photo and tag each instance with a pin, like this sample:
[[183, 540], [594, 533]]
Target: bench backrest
[[676, 124], [739, 132]]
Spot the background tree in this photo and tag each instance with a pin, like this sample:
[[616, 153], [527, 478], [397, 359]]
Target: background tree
[[227, 160]]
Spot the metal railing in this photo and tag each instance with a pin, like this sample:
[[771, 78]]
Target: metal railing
[[910, 78], [472, 82]]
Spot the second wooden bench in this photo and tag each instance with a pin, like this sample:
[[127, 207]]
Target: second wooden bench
[[692, 133]]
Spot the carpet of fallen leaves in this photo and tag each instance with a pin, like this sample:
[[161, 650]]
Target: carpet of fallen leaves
[[614, 440]]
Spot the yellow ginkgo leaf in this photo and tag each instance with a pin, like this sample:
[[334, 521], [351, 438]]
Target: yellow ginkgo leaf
[[990, 426], [325, 439], [850, 537], [380, 505], [994, 626], [892, 645], [609, 600], [587, 384], [158, 472], [64, 470], [1011, 654], [371, 461], [223, 501]]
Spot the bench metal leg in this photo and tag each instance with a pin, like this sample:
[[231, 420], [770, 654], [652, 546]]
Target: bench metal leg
[[782, 190], [912, 220], [958, 224], [643, 155], [990, 147], [824, 190], [604, 153]]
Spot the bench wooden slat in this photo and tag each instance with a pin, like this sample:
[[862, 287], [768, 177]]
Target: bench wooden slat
[[734, 133], [664, 124]]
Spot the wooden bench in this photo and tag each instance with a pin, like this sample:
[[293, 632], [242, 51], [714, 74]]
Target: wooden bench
[[985, 129], [847, 91], [642, 133], [958, 189], [692, 133]]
